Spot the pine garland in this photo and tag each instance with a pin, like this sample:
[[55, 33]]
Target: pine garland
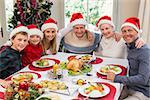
[[28, 12]]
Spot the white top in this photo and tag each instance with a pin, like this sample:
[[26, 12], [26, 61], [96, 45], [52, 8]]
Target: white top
[[111, 48]]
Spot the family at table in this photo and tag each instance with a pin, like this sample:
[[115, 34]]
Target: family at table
[[28, 44]]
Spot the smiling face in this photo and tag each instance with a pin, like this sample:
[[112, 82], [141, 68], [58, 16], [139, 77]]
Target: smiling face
[[50, 34], [20, 41], [107, 30], [79, 30], [129, 34], [34, 39]]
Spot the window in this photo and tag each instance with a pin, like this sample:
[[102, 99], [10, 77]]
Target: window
[[9, 11], [91, 9]]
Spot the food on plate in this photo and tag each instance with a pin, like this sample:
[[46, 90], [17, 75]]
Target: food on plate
[[42, 62], [75, 65], [22, 77], [86, 58], [93, 87], [23, 91], [53, 85], [108, 68], [80, 81]]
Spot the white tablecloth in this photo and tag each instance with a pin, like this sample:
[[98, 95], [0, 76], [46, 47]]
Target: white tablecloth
[[72, 87]]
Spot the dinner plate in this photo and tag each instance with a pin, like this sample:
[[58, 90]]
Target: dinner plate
[[84, 58], [94, 93], [24, 76], [49, 96], [114, 68], [50, 63]]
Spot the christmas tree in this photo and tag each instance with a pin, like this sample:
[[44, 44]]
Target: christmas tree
[[30, 12]]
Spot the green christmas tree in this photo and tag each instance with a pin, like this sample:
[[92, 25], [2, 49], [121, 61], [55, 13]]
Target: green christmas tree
[[30, 12]]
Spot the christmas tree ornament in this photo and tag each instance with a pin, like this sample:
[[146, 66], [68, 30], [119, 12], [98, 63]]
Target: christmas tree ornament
[[30, 12]]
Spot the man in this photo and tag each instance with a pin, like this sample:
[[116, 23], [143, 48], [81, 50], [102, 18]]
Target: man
[[137, 84], [77, 38]]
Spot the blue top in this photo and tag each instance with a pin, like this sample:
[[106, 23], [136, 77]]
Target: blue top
[[83, 50], [139, 71]]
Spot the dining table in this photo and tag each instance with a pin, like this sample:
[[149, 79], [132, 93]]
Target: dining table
[[73, 89]]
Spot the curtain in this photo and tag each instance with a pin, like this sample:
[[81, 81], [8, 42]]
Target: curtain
[[144, 15]]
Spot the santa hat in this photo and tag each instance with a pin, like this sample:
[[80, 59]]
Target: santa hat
[[19, 28], [76, 19], [49, 23], [133, 22], [105, 20], [33, 30]]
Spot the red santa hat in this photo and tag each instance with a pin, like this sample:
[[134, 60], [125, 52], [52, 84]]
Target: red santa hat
[[133, 22], [105, 20], [49, 23], [19, 28], [76, 19], [33, 30]]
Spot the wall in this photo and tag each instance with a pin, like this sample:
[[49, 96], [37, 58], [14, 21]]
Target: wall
[[58, 12], [124, 9], [3, 22]]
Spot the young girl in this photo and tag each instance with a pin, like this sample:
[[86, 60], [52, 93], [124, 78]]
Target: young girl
[[10, 59], [49, 28], [33, 50]]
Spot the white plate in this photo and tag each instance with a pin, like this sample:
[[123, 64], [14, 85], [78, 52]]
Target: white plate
[[94, 93], [119, 70], [50, 63], [80, 56], [52, 96], [34, 76]]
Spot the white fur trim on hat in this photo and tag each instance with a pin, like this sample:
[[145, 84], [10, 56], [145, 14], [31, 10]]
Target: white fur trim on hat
[[78, 21], [35, 31], [49, 25], [106, 22], [17, 30], [131, 25]]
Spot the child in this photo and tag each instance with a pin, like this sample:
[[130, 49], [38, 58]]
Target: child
[[49, 28], [33, 50], [10, 59]]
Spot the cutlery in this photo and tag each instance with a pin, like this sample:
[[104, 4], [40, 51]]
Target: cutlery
[[61, 92]]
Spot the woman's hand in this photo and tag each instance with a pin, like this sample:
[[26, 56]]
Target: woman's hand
[[89, 35], [118, 36], [139, 43]]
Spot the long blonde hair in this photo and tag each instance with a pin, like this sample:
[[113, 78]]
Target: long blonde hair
[[51, 45]]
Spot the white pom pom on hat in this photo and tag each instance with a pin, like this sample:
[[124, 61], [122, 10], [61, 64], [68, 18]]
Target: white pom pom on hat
[[33, 30], [105, 20], [77, 18], [49, 23], [19, 28], [133, 22]]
